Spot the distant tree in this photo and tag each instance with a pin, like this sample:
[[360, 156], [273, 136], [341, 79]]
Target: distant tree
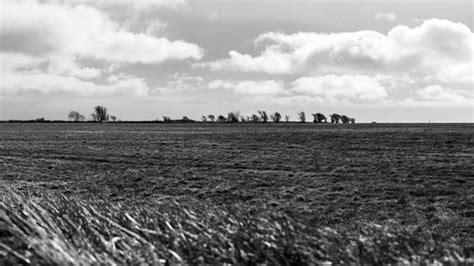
[[254, 118], [166, 119], [302, 117], [211, 117], [319, 118], [204, 118], [75, 116], [185, 118], [287, 118], [352, 120], [40, 119], [344, 119], [113, 118], [100, 114], [276, 117], [243, 119], [335, 118], [263, 116], [233, 117], [221, 119]]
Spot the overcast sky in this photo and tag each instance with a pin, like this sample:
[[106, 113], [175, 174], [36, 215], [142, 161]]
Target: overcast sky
[[385, 61]]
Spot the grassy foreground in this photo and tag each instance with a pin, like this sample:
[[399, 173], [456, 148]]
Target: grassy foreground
[[49, 228]]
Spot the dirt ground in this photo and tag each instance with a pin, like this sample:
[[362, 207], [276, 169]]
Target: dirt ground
[[419, 175]]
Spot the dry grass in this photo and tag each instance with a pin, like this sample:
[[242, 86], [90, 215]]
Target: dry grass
[[51, 229]]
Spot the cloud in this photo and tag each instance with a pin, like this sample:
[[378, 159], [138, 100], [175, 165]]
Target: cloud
[[391, 17], [35, 82], [429, 49], [344, 88], [249, 87], [438, 93], [51, 44], [180, 82], [82, 31], [213, 16]]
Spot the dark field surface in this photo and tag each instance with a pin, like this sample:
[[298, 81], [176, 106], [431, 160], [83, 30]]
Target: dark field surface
[[414, 175]]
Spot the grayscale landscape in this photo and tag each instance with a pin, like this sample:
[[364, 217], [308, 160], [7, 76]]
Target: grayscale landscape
[[236, 132]]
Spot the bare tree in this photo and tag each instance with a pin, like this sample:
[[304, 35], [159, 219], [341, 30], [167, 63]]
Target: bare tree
[[204, 118], [221, 119], [287, 118], [276, 117], [254, 118], [75, 116], [100, 114], [211, 117], [302, 117], [263, 115], [233, 117]]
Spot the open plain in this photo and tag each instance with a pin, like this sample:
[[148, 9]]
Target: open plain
[[416, 178]]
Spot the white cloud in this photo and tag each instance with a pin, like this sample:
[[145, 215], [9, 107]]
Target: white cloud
[[386, 16], [345, 88], [250, 87], [14, 83], [431, 49], [213, 16], [48, 29], [438, 93], [180, 82], [52, 41]]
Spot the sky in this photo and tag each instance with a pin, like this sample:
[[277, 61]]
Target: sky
[[384, 61]]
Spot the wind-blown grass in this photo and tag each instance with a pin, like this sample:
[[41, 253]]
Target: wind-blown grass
[[49, 228]]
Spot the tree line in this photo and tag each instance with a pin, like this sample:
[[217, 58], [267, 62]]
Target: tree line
[[263, 117], [101, 114]]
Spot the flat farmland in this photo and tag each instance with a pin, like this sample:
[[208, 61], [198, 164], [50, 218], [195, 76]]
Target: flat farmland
[[418, 176]]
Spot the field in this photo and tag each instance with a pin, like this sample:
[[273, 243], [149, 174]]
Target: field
[[363, 193]]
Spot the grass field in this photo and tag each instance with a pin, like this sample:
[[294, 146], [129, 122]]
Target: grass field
[[237, 193]]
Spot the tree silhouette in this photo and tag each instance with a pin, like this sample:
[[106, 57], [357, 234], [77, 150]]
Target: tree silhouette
[[263, 115], [221, 119], [276, 117], [302, 117], [100, 114], [204, 118], [113, 118], [75, 116], [166, 119], [287, 118], [335, 118], [319, 118], [345, 119], [233, 117], [254, 118], [211, 117]]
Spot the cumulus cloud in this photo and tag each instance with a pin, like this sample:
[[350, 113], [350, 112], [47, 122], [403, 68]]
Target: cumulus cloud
[[180, 82], [48, 29], [344, 88], [250, 87], [48, 45], [427, 50], [386, 16], [440, 94], [38, 82]]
